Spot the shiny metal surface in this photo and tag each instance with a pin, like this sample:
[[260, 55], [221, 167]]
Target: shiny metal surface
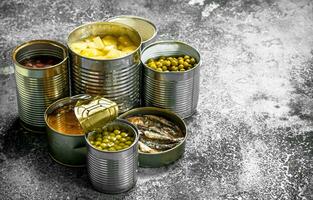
[[38, 88], [165, 157], [147, 30], [113, 172], [175, 91], [69, 150], [115, 79]]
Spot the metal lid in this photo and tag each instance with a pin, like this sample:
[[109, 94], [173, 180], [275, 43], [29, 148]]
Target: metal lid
[[95, 112]]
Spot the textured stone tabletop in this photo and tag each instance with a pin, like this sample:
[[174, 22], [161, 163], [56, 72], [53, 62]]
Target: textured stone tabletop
[[252, 136]]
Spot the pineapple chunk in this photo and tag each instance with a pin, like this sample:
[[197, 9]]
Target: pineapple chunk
[[125, 41], [98, 43], [91, 53], [78, 46], [129, 49], [114, 53], [109, 40]]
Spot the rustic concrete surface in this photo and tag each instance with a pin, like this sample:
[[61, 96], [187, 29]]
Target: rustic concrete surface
[[252, 136]]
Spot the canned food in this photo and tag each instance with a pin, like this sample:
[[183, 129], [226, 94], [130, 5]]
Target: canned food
[[66, 143], [177, 91], [117, 79], [67, 121], [145, 28], [113, 171], [162, 157], [41, 77]]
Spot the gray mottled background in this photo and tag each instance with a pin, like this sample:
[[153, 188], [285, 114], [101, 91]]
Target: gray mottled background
[[252, 135]]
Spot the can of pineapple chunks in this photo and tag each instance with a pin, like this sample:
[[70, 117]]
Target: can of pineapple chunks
[[38, 86], [117, 79], [147, 30]]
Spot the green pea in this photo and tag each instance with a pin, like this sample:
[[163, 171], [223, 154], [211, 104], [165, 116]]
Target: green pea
[[163, 57], [182, 70], [180, 66], [159, 69], [128, 142], [186, 57], [124, 134], [98, 143], [99, 138], [164, 68], [110, 144], [112, 149], [123, 140], [116, 131], [158, 64], [118, 137], [118, 147], [192, 60], [186, 64], [112, 139], [92, 142], [121, 144], [105, 140], [103, 145], [112, 135], [174, 68], [181, 61], [180, 58], [174, 63], [150, 60]]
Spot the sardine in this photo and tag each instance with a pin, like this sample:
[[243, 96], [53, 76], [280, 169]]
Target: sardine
[[156, 136], [158, 146], [146, 149]]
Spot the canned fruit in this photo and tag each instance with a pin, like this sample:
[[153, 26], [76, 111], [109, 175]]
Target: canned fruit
[[106, 47], [172, 63], [40, 61], [63, 120], [111, 139], [156, 134]]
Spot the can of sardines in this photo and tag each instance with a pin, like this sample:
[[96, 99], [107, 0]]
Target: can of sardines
[[171, 77], [162, 135], [41, 74]]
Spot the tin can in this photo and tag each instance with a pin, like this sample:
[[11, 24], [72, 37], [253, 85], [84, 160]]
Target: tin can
[[163, 158], [113, 172], [175, 91], [37, 88], [116, 79], [147, 30], [66, 149]]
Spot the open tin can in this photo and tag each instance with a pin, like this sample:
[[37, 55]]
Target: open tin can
[[117, 79], [162, 158], [175, 91], [38, 87]]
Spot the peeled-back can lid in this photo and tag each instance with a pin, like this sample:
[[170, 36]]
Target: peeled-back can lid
[[95, 112]]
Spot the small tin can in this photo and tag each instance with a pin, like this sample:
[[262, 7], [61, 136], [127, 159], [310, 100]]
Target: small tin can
[[115, 79], [147, 30], [175, 91], [113, 172], [37, 88], [153, 160]]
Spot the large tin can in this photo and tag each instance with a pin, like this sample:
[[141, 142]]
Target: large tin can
[[116, 79], [113, 172], [175, 91], [147, 30], [37, 88]]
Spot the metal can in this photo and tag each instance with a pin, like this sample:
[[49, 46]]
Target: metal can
[[167, 157], [37, 88], [147, 30], [175, 91], [116, 79], [68, 148], [113, 172]]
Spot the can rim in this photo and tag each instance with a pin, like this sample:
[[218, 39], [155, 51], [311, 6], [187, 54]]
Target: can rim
[[139, 18], [119, 151], [162, 110], [101, 22], [51, 42], [76, 97], [173, 42]]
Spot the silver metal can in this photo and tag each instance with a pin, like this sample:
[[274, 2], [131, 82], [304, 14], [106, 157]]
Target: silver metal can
[[37, 88], [147, 30], [116, 79], [113, 172], [175, 91]]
